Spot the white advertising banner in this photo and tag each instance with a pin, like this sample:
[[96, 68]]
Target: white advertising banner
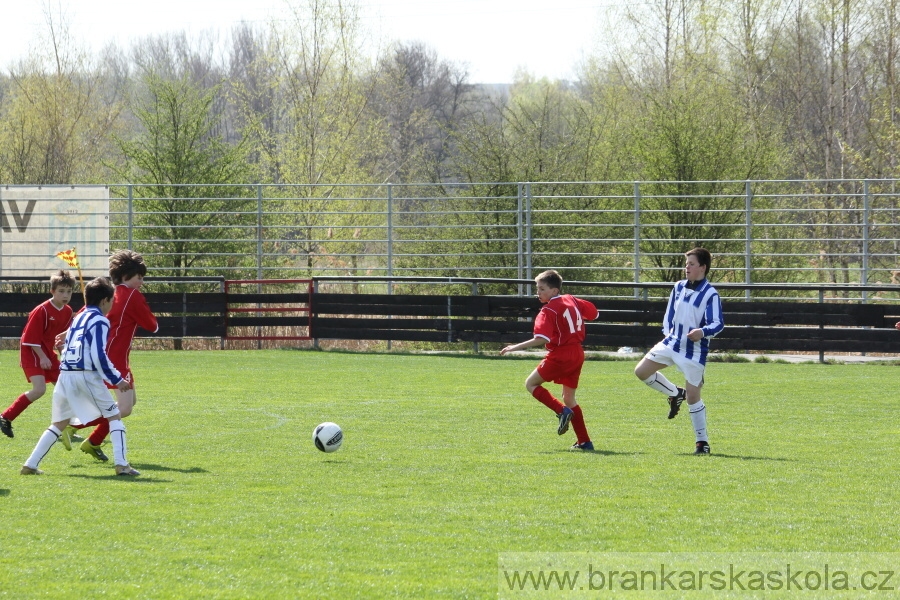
[[38, 222]]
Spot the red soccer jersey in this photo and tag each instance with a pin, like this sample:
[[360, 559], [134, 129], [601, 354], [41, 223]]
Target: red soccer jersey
[[561, 320], [45, 322], [129, 311]]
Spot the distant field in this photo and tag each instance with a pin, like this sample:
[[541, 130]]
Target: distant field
[[447, 464]]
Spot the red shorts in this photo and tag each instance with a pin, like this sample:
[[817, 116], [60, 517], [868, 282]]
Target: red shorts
[[31, 365], [49, 375], [563, 365]]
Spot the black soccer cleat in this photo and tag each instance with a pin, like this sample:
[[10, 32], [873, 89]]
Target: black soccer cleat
[[564, 417], [675, 402], [584, 447], [702, 448], [6, 427]]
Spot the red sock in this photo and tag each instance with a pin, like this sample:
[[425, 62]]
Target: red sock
[[93, 423], [544, 396], [578, 425], [15, 409], [99, 434]]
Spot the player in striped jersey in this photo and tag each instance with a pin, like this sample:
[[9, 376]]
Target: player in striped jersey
[[80, 391], [559, 326], [693, 315]]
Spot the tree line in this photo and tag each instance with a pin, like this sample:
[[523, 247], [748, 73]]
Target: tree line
[[684, 91]]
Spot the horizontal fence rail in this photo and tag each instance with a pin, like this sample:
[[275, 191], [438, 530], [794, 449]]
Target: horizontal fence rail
[[829, 231]]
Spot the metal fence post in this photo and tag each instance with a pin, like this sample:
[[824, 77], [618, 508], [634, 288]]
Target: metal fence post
[[130, 217], [520, 214], [390, 243], [748, 237], [821, 301], [475, 345], [315, 287], [867, 219], [259, 231], [637, 236], [528, 237], [390, 233]]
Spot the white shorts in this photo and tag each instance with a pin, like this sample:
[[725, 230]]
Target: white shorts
[[82, 395], [693, 371]]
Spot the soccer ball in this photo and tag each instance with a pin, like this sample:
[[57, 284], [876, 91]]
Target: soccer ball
[[328, 437]]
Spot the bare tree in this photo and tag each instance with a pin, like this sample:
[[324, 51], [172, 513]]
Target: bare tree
[[422, 100], [57, 112]]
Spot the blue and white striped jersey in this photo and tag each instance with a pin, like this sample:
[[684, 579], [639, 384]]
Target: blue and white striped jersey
[[85, 346], [691, 306]]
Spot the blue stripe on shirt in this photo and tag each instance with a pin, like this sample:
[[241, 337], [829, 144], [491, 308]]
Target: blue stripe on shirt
[[85, 346]]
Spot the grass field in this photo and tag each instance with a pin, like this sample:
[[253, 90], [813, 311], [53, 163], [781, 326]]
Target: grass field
[[447, 463]]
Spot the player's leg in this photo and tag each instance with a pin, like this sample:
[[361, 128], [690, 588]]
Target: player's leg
[[534, 385], [92, 444], [648, 371], [93, 400], [126, 401], [60, 414], [693, 374], [43, 447], [582, 439], [38, 389], [120, 447], [85, 399], [697, 410], [101, 429]]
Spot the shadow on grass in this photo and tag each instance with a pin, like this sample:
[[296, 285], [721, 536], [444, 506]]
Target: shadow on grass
[[115, 477], [149, 467], [717, 455], [4, 492], [596, 452]]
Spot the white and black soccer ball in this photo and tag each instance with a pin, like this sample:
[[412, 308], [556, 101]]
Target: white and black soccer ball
[[328, 436]]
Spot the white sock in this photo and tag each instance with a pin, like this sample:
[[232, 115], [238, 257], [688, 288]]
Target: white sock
[[48, 438], [658, 382], [117, 435], [698, 420]]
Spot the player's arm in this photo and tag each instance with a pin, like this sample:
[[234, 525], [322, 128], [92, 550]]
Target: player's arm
[[144, 317], [537, 340], [587, 309], [43, 359], [669, 316], [101, 359], [713, 318]]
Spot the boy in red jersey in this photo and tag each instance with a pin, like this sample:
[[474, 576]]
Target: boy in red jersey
[[129, 311], [37, 353], [559, 325]]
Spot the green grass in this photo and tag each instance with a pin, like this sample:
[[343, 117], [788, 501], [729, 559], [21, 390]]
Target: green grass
[[446, 464]]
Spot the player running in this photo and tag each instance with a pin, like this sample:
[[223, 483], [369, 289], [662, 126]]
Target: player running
[[559, 326]]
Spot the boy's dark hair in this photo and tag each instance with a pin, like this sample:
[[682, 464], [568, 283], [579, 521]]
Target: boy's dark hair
[[703, 257], [61, 278], [98, 290], [550, 278], [125, 264]]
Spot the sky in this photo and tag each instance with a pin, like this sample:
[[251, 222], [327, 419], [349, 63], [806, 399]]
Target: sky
[[492, 38]]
